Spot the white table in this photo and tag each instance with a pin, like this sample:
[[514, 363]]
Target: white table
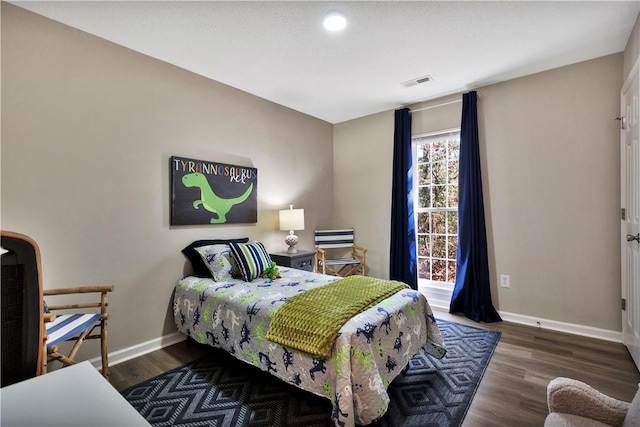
[[74, 396]]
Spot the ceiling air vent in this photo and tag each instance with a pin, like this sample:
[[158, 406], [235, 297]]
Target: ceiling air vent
[[417, 81]]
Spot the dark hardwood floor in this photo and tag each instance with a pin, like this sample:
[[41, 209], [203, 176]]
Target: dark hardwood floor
[[513, 389]]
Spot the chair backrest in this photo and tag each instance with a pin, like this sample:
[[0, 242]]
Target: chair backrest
[[21, 305], [327, 239]]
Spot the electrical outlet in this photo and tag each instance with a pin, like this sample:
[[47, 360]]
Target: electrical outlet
[[504, 281]]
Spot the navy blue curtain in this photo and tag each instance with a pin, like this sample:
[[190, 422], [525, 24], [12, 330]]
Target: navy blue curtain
[[403, 266], [472, 292]]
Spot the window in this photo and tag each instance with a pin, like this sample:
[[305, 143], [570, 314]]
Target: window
[[436, 205]]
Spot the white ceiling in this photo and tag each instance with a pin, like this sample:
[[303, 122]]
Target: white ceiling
[[279, 50]]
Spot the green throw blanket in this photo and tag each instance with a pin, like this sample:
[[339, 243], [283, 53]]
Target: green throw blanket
[[310, 321]]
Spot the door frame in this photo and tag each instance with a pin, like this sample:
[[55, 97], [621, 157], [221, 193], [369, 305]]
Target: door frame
[[631, 308]]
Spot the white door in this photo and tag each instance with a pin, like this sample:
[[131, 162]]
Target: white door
[[630, 198]]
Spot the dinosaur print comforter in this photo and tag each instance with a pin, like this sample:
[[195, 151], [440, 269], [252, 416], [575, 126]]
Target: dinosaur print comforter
[[370, 351]]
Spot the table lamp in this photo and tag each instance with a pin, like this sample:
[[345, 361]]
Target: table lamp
[[291, 219]]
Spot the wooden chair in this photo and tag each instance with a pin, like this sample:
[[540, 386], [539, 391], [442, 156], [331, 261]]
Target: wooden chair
[[76, 327], [51, 329], [330, 240]]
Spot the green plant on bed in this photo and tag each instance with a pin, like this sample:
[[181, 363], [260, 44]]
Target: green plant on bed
[[272, 272]]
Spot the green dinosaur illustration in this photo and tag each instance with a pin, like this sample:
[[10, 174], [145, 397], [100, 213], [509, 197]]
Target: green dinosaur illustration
[[209, 200], [341, 357], [330, 391], [252, 357], [260, 331], [363, 359], [206, 314], [247, 299]]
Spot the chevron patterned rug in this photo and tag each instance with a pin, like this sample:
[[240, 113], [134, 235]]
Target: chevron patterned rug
[[218, 390]]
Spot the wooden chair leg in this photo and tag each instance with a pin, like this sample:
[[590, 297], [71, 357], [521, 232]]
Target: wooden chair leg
[[77, 344], [62, 359], [45, 358], [103, 348], [348, 270], [54, 354]]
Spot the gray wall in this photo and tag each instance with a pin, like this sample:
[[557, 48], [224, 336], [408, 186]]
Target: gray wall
[[87, 131], [550, 159]]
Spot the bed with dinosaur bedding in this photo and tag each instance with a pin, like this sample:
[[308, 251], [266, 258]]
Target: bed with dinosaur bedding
[[351, 360]]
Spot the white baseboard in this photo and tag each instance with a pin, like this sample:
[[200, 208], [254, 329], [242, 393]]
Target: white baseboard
[[570, 328], [439, 300], [554, 325], [125, 354]]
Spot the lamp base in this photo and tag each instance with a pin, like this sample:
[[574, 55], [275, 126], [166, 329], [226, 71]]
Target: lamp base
[[292, 241]]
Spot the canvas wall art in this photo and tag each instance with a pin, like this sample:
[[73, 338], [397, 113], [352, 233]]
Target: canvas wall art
[[206, 192]]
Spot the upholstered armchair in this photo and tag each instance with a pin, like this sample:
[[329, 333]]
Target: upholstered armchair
[[574, 403]]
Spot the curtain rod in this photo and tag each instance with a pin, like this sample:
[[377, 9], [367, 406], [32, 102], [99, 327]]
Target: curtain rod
[[435, 106]]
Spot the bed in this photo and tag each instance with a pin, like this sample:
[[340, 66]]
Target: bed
[[371, 349]]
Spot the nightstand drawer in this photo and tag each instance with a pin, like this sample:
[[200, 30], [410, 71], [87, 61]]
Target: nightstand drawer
[[302, 260], [303, 263]]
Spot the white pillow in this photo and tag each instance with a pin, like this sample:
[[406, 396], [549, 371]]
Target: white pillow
[[218, 260]]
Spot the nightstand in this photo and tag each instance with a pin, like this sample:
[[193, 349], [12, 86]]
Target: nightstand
[[302, 260]]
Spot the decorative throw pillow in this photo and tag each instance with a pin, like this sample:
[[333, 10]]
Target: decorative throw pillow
[[200, 268], [218, 259], [252, 258]]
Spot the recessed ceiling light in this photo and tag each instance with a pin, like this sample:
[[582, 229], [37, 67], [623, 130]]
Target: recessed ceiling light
[[335, 21]]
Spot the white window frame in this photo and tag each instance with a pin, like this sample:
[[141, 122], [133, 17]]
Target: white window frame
[[438, 293]]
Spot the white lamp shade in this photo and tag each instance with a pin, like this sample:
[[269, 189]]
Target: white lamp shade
[[292, 219]]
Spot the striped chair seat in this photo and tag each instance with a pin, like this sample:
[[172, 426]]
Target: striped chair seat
[[337, 261], [69, 326]]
